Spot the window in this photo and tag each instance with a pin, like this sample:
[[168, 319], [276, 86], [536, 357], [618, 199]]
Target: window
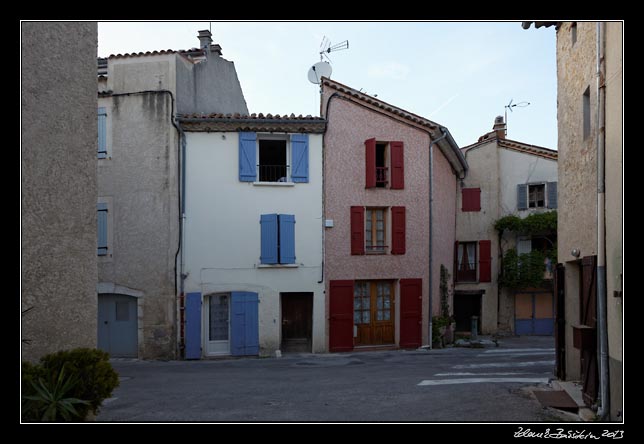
[[273, 158], [537, 196], [372, 301], [384, 165], [102, 133], [368, 231], [586, 112], [471, 199], [466, 262], [573, 32], [272, 161], [277, 239], [101, 216], [375, 229]]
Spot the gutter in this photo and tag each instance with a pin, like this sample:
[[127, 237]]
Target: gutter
[[431, 225], [602, 321]]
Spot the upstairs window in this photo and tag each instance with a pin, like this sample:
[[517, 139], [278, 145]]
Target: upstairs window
[[272, 161], [101, 231], [471, 198], [384, 165], [102, 132], [466, 262], [537, 196], [375, 229], [277, 239], [273, 158]]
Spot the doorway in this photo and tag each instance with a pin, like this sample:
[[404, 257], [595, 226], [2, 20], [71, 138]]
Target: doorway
[[466, 305], [217, 324], [118, 325], [534, 313], [297, 322], [373, 313]]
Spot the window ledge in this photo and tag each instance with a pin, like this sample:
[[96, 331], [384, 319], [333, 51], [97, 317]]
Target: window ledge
[[274, 184], [277, 265]]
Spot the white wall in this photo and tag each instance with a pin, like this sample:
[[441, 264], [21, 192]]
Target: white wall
[[222, 232], [517, 168]]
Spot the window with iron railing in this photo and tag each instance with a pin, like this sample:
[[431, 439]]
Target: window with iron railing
[[381, 177], [273, 165], [273, 173]]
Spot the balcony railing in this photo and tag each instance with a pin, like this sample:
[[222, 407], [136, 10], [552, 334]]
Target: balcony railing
[[381, 175], [466, 272], [273, 173]]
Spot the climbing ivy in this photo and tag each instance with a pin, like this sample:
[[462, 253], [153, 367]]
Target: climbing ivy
[[444, 289], [537, 223]]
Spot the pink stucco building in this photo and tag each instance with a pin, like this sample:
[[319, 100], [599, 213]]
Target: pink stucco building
[[390, 183]]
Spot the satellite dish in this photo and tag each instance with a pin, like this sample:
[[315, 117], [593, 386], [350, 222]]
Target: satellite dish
[[319, 70]]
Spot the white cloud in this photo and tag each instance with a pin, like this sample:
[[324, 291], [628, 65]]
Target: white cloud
[[391, 70]]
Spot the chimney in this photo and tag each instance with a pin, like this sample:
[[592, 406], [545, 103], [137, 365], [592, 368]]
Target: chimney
[[499, 127], [205, 39]]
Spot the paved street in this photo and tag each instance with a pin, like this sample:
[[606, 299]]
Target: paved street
[[444, 385]]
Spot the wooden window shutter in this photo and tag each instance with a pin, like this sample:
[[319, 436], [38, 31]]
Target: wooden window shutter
[[268, 224], [357, 230], [471, 198], [522, 196], [247, 157], [552, 195], [370, 163], [287, 238], [398, 230], [485, 261], [300, 158], [102, 132], [397, 166], [101, 217]]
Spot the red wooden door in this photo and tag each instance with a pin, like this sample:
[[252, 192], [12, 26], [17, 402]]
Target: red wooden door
[[588, 317], [411, 316], [340, 316]]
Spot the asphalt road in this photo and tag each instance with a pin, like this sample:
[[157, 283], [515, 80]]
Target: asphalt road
[[489, 384]]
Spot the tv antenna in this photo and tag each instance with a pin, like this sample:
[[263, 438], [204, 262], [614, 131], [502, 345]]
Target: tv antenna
[[323, 67], [509, 106]]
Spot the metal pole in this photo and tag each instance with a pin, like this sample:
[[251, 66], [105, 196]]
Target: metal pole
[[602, 322]]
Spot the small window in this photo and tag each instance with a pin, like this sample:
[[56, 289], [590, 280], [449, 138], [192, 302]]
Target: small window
[[586, 112], [381, 165], [375, 230], [101, 229], [273, 166], [573, 33], [466, 262], [277, 239], [102, 133], [537, 196]]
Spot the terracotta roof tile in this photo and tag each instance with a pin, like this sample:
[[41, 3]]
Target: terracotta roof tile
[[252, 122]]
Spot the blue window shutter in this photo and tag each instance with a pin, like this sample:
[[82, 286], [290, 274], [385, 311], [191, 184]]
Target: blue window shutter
[[247, 157], [268, 224], [552, 194], [299, 157], [102, 133], [287, 238], [101, 233], [522, 196], [244, 324], [193, 326]]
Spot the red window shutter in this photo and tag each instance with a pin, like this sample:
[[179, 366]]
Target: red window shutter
[[471, 199], [455, 270], [357, 230], [397, 230], [370, 163], [485, 261], [397, 166], [340, 316]]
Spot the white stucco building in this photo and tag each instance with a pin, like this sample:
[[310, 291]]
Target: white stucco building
[[505, 177], [252, 252]]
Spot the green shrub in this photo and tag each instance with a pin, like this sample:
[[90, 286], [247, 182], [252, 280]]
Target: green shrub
[[94, 375], [51, 403]]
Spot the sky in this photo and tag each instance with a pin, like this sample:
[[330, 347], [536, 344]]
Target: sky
[[458, 74]]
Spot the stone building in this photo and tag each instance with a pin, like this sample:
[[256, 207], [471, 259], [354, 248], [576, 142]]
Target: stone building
[[58, 186], [139, 169]]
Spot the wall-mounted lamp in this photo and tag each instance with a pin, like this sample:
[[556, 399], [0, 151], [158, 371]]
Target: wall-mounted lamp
[[575, 252]]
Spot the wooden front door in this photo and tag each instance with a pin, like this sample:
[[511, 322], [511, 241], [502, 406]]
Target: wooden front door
[[588, 317], [340, 309], [560, 322], [411, 312], [373, 312], [297, 322]]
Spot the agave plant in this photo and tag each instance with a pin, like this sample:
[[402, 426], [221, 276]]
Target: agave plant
[[49, 403]]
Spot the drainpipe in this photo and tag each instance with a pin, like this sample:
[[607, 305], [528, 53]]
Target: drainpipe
[[431, 200], [602, 322]]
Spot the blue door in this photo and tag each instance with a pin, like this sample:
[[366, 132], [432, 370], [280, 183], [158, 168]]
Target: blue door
[[244, 324], [534, 314], [118, 325]]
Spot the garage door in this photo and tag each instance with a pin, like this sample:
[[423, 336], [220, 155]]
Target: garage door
[[534, 314]]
